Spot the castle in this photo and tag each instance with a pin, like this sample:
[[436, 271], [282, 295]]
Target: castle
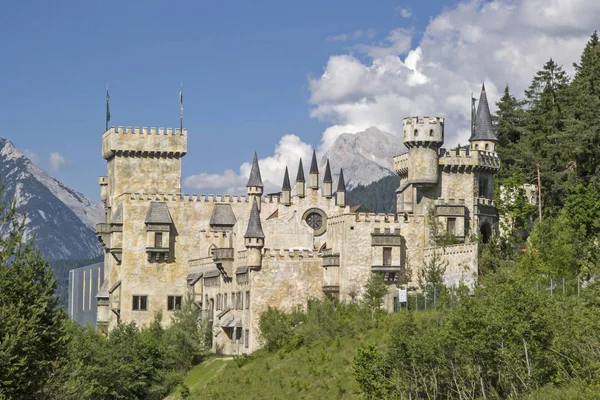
[[238, 255]]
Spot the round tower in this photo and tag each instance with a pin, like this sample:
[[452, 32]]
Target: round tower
[[423, 137]]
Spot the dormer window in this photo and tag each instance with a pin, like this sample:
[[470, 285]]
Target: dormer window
[[158, 240], [158, 229]]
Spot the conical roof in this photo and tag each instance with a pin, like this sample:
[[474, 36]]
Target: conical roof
[[327, 177], [255, 179], [341, 187], [300, 176], [286, 181], [314, 168], [484, 129], [254, 225]]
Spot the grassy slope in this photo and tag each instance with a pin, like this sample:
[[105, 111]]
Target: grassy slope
[[319, 371]]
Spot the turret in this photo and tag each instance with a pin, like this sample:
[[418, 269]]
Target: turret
[[327, 182], [313, 175], [340, 196], [255, 186], [423, 137], [286, 189], [300, 181], [254, 239], [483, 137]]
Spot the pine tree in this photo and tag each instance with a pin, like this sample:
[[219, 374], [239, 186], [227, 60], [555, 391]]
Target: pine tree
[[510, 124], [583, 122], [32, 329], [543, 143]]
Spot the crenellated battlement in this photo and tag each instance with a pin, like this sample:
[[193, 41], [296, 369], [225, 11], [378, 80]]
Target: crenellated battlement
[[144, 142], [425, 120], [401, 164], [464, 159], [423, 132], [462, 248], [188, 198], [289, 254]]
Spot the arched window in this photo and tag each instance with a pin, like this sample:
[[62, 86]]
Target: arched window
[[431, 132], [476, 147], [416, 132], [487, 146], [211, 250]]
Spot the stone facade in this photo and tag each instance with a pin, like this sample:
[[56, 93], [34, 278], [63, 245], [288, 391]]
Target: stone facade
[[238, 255]]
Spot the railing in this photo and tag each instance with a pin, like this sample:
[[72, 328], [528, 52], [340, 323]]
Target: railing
[[331, 260], [225, 253], [385, 239]]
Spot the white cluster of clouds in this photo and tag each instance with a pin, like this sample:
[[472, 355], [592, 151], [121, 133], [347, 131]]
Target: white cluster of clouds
[[497, 42], [56, 160]]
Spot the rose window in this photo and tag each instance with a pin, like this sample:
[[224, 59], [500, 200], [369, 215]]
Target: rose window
[[314, 220]]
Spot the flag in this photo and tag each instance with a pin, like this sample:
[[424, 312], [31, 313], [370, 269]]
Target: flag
[[181, 108], [107, 108]]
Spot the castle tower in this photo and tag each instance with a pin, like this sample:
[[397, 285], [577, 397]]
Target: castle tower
[[483, 137], [423, 137], [146, 160], [300, 181], [327, 182], [286, 189], [255, 186], [313, 175], [340, 197], [254, 239]]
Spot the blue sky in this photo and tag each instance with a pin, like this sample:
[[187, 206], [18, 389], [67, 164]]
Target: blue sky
[[245, 67], [254, 71]]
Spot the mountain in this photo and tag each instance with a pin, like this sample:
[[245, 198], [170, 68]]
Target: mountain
[[379, 196], [365, 156], [63, 219]]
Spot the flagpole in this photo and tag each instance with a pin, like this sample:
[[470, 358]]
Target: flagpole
[[107, 107]]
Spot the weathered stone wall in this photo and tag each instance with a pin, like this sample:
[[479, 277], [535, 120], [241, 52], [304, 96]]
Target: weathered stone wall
[[460, 261]]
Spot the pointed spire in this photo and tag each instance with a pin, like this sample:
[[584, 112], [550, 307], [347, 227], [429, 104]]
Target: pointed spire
[[314, 169], [255, 179], [286, 181], [484, 129], [254, 230], [327, 177], [300, 176], [341, 187]]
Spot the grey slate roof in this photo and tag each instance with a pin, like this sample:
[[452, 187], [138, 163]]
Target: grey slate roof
[[254, 225], [286, 181], [327, 177], [484, 129], [117, 217], [212, 273], [314, 168], [103, 292], [231, 322], [300, 176], [193, 278], [158, 213], [255, 179], [341, 187], [222, 215]]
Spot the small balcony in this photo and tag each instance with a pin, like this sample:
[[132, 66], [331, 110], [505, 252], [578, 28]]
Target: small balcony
[[223, 254]]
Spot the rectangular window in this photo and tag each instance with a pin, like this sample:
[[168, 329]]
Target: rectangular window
[[241, 297], [140, 303], [387, 256], [483, 187], [451, 226], [174, 303], [158, 240], [247, 300], [247, 339], [225, 300]]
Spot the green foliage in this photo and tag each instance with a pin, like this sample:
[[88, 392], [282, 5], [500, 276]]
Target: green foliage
[[378, 196], [132, 362], [32, 333], [431, 276], [375, 290], [507, 340], [512, 204]]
